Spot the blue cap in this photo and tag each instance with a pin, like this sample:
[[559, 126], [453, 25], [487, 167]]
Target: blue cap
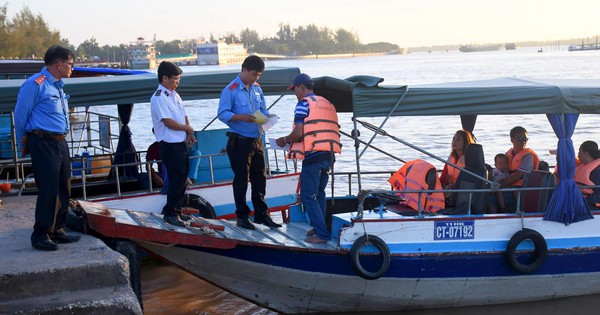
[[302, 78]]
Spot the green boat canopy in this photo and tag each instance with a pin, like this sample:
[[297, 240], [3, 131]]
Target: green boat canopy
[[138, 88], [363, 96]]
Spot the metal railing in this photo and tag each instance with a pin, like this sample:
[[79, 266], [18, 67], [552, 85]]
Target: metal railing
[[519, 190]]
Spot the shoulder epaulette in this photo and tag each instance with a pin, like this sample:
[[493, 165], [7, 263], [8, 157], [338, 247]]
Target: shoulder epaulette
[[233, 86], [158, 92], [40, 79]]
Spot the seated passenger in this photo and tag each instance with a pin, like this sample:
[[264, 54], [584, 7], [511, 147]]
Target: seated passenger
[[153, 154], [461, 139], [521, 160], [587, 173], [500, 172], [473, 177]]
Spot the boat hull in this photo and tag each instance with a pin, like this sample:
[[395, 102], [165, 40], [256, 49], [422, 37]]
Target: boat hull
[[313, 284]]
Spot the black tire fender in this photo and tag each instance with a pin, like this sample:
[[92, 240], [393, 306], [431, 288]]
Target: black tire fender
[[540, 251], [197, 202], [355, 257]]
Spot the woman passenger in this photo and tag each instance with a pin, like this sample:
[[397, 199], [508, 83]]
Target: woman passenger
[[461, 139], [587, 173]]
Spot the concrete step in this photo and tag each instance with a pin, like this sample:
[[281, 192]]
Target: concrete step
[[107, 300], [65, 278]]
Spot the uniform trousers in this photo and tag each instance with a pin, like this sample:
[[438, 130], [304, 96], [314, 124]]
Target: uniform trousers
[[247, 159], [52, 172], [175, 158]]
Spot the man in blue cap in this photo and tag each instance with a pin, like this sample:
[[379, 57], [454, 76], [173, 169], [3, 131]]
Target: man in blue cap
[[314, 139]]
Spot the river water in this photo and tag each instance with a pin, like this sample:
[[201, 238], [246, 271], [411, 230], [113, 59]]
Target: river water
[[170, 290]]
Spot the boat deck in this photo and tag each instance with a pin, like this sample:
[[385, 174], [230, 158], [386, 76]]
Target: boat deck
[[215, 233]]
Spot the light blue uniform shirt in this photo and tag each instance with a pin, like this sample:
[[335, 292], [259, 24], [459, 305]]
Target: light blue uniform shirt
[[237, 99], [41, 105]]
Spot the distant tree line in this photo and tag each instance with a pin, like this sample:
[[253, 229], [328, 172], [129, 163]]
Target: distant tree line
[[308, 40], [28, 36]]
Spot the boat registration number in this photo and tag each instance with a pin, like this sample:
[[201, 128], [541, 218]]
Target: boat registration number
[[454, 230]]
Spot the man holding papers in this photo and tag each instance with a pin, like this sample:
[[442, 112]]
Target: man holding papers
[[240, 104]]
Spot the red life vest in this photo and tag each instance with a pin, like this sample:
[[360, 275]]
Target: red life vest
[[582, 175], [453, 171], [321, 130], [413, 176], [514, 161]]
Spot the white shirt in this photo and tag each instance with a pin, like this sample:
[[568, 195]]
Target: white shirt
[[167, 104]]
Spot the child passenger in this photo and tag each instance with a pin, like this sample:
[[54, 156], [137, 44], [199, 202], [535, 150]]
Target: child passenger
[[498, 173]]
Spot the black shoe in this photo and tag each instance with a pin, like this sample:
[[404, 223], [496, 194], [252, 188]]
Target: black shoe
[[65, 238], [266, 220], [245, 223], [46, 245], [184, 217], [173, 220]]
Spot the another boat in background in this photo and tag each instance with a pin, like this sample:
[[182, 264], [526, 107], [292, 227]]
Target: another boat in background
[[142, 54], [475, 48], [511, 46], [583, 47]]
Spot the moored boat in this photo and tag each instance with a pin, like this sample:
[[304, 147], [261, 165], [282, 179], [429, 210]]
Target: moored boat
[[476, 48], [393, 257], [94, 135]]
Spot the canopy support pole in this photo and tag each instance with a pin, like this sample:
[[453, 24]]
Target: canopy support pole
[[355, 135], [375, 148], [384, 121]]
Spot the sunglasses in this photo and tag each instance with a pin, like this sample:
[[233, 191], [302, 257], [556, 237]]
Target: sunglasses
[[522, 139]]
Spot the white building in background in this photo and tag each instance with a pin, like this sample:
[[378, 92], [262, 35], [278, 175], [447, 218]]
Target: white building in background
[[220, 53], [142, 54]]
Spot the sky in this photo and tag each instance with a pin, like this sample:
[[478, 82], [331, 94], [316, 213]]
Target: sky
[[407, 23]]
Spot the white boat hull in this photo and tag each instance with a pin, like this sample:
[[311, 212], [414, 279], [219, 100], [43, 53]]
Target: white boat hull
[[290, 290]]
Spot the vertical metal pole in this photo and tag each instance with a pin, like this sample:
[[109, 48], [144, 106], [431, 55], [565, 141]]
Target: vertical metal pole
[[355, 135]]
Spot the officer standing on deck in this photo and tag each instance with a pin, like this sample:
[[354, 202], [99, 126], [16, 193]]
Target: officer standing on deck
[[41, 125], [239, 101], [173, 132]]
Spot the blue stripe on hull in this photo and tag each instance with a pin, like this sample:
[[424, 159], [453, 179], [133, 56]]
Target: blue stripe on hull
[[487, 246], [448, 265]]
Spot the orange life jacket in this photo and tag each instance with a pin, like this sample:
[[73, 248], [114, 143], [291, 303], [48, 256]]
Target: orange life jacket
[[413, 176], [582, 175], [514, 161], [453, 171], [321, 130]]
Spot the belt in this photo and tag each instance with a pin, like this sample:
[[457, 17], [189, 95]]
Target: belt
[[46, 135], [238, 136]]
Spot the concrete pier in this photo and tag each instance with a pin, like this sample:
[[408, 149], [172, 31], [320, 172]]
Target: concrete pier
[[86, 277]]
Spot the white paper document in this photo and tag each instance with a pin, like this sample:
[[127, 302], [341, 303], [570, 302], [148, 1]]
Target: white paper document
[[274, 146], [272, 119]]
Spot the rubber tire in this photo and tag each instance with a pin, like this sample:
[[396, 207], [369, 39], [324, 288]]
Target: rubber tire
[[197, 202], [540, 250], [355, 257]]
